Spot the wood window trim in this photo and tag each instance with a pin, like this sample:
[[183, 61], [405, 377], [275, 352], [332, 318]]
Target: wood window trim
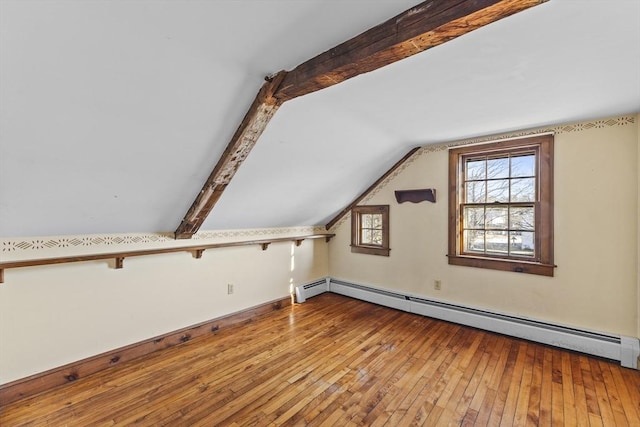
[[356, 245], [543, 262]]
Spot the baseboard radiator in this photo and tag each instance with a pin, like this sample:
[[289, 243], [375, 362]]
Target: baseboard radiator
[[311, 289], [624, 349]]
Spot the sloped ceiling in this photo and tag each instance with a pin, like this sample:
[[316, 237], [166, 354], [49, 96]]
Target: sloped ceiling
[[113, 113]]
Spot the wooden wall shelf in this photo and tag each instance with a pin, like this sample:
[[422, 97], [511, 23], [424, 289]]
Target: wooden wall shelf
[[416, 196], [119, 257]]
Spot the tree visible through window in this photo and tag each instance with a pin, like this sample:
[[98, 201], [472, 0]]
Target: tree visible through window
[[500, 206], [498, 209], [370, 230]]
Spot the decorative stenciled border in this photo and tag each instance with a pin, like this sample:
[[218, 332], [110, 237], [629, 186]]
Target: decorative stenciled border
[[36, 244], [432, 148], [226, 234], [108, 241]]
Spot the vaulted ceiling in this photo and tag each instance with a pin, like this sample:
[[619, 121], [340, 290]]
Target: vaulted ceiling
[[113, 113]]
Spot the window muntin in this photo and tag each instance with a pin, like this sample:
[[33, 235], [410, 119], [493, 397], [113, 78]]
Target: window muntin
[[500, 205], [370, 230]]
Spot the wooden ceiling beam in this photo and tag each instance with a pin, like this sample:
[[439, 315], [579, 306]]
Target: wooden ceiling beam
[[424, 26], [254, 123]]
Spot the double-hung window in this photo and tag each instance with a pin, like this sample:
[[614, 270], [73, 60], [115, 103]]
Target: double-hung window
[[501, 205]]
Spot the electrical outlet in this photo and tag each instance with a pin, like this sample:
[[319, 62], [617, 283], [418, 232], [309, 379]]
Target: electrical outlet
[[437, 285], [229, 288]]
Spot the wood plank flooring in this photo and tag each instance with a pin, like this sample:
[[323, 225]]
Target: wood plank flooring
[[343, 362]]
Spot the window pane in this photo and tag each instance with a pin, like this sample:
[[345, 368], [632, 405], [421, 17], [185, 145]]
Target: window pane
[[475, 192], [473, 241], [376, 221], [497, 242], [523, 165], [522, 218], [523, 190], [475, 169], [498, 168], [365, 220], [497, 218], [473, 217], [366, 237], [521, 244], [498, 191], [376, 237]]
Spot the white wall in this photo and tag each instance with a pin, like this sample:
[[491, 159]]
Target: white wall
[[596, 237], [54, 315]]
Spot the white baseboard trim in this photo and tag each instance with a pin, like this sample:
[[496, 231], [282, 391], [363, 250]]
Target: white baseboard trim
[[621, 348]]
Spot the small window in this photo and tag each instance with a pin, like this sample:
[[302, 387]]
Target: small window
[[370, 230], [500, 206]]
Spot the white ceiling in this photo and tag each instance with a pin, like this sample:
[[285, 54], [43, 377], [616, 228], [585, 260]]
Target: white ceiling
[[113, 113]]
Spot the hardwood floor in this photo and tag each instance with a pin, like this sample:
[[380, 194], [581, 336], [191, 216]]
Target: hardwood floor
[[339, 361]]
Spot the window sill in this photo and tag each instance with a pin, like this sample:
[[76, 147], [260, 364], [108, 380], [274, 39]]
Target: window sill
[[370, 250], [516, 266]]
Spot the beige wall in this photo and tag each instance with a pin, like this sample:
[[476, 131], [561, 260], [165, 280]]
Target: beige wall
[[596, 237], [54, 315]]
